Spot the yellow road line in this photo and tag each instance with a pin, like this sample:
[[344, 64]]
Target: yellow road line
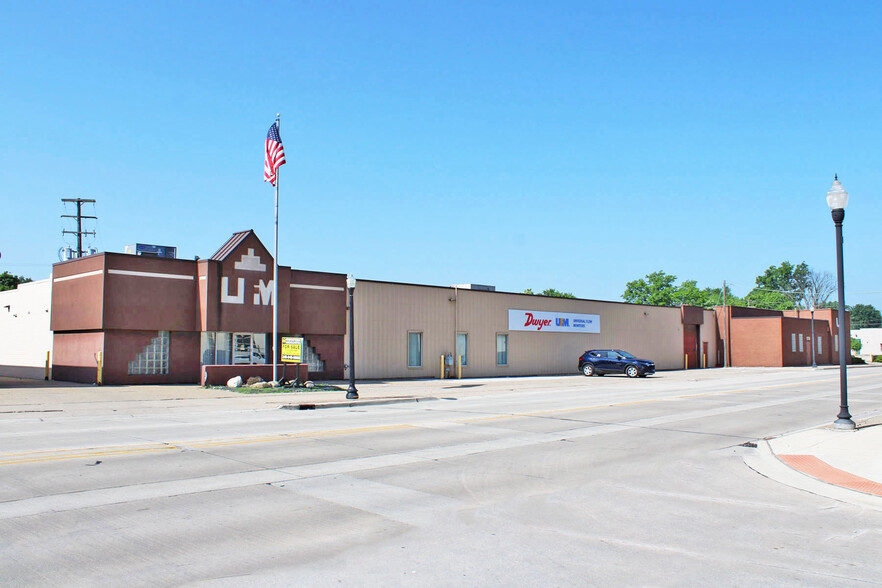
[[93, 452], [119, 450]]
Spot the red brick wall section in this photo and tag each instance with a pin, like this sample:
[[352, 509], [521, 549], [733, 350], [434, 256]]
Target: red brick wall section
[[803, 330], [330, 348], [142, 300], [124, 346], [317, 310], [246, 316], [77, 302], [73, 356], [209, 294], [756, 342]]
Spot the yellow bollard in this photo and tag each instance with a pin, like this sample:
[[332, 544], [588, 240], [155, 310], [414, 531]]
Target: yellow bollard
[[100, 359], [47, 365], [686, 360], [459, 367], [442, 367], [704, 361]]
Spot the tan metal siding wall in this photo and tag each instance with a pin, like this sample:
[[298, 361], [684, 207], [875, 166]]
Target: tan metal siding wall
[[384, 313], [653, 333]]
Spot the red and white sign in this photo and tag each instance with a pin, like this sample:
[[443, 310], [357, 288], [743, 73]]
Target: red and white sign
[[552, 322]]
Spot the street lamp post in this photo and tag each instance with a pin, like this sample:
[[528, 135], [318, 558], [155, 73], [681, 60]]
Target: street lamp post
[[351, 392], [814, 353], [837, 200]]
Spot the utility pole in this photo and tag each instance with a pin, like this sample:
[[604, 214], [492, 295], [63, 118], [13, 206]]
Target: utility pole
[[79, 216], [726, 319]]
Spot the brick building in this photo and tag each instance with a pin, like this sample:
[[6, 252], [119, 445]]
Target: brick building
[[157, 320]]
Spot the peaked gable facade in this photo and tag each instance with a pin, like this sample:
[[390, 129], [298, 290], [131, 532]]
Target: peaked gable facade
[[155, 320]]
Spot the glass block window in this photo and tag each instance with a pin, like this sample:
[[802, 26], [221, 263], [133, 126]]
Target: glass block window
[[313, 360], [154, 358]]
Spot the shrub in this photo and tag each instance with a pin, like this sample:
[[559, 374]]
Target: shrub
[[877, 359], [856, 359]]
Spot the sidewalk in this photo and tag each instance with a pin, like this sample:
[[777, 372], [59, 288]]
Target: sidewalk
[[843, 465]]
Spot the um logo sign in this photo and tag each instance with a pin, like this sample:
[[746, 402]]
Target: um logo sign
[[262, 296]]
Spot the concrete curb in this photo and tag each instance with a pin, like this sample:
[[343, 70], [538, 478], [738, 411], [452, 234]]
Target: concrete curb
[[766, 463], [354, 403]]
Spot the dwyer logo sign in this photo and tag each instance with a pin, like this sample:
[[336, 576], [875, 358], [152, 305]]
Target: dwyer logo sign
[[553, 322], [263, 294]]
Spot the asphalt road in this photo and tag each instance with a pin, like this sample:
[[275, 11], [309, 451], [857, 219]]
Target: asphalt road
[[566, 481]]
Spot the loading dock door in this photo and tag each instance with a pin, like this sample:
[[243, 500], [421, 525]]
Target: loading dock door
[[690, 347]]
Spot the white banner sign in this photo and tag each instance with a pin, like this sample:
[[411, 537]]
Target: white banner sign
[[554, 322]]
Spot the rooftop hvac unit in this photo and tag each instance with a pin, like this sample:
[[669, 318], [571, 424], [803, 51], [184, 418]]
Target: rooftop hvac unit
[[152, 250]]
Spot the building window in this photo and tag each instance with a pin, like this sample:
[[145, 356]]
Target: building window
[[225, 348], [801, 348], [501, 349], [154, 358], [793, 342], [818, 350], [836, 343], [312, 359], [414, 350], [462, 347]]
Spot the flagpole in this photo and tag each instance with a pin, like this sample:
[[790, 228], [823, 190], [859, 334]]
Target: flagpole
[[276, 276]]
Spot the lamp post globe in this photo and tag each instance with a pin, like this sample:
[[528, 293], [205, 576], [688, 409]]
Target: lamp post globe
[[837, 200], [351, 392]]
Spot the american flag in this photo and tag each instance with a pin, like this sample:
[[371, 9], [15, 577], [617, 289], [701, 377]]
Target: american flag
[[275, 154]]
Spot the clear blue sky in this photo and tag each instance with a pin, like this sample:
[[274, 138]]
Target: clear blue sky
[[573, 145]]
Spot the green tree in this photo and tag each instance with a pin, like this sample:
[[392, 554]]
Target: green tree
[[10, 282], [657, 289], [550, 292], [856, 345], [689, 293], [865, 316], [761, 298], [781, 287], [555, 293], [714, 297]]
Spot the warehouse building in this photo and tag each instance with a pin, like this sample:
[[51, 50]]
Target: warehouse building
[[144, 318]]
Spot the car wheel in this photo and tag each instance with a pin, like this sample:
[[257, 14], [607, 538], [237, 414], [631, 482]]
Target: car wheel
[[631, 371], [588, 369]]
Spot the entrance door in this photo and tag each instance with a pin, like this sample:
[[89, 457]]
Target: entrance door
[[241, 348]]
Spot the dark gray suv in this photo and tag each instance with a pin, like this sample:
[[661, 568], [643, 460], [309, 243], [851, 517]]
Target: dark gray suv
[[614, 361]]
